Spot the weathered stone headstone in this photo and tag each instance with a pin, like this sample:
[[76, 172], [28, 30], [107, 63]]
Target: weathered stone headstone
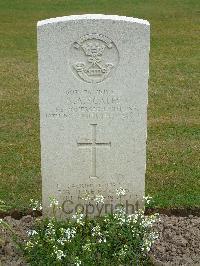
[[93, 78]]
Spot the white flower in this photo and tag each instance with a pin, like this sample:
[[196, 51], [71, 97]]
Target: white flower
[[106, 219], [120, 215], [102, 240], [148, 221], [1, 221], [120, 210], [53, 202], [147, 199], [146, 245], [29, 244], [50, 231], [96, 231], [123, 251], [61, 241], [131, 218], [77, 261], [99, 199], [59, 253], [35, 205], [153, 236], [50, 225], [67, 234], [120, 191], [32, 233], [79, 218]]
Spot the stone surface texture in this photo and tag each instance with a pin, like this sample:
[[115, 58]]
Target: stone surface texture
[[93, 79]]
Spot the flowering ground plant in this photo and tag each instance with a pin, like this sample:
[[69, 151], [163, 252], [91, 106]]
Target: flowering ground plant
[[3, 206], [113, 239]]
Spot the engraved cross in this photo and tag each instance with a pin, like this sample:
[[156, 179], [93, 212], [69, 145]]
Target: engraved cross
[[93, 144]]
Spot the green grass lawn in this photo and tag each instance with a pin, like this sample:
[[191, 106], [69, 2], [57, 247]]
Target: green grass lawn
[[173, 167]]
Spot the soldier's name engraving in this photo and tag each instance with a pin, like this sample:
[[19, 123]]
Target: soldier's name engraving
[[88, 191], [96, 103], [85, 195]]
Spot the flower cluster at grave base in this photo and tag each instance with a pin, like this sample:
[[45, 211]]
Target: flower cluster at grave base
[[117, 238], [114, 239]]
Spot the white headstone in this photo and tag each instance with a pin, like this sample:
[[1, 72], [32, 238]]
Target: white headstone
[[93, 78]]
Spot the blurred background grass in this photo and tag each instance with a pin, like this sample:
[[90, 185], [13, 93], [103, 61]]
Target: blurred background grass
[[173, 168]]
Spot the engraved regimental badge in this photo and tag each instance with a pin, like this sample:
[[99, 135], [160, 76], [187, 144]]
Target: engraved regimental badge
[[94, 57]]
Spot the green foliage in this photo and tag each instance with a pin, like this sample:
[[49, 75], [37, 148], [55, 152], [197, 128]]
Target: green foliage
[[115, 239]]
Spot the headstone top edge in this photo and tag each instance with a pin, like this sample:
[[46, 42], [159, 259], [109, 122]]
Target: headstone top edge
[[92, 17]]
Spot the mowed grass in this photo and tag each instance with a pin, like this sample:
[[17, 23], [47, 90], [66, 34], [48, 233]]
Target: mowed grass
[[173, 174]]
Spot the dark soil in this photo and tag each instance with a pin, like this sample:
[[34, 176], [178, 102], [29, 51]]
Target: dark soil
[[179, 241], [195, 211], [178, 244]]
